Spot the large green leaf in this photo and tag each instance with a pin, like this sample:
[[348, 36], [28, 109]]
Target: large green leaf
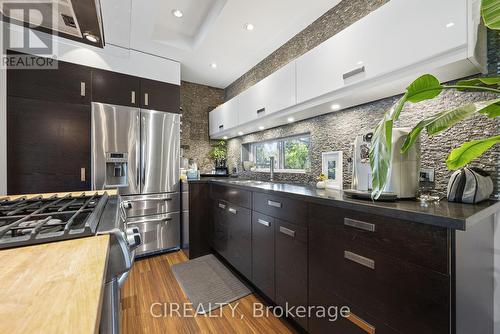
[[469, 151], [491, 81], [450, 118], [415, 132], [380, 155], [446, 119], [491, 108], [424, 88], [490, 10]]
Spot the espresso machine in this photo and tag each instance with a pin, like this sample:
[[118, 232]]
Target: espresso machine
[[403, 178]]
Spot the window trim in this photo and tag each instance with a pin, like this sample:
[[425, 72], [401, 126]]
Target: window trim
[[281, 161]]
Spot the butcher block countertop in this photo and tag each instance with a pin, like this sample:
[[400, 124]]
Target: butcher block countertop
[[54, 287]]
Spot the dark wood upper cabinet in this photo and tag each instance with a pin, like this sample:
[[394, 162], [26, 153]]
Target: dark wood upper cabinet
[[48, 146], [69, 83], [160, 96], [115, 88]]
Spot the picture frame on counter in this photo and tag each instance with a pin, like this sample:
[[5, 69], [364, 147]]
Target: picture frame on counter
[[331, 163]]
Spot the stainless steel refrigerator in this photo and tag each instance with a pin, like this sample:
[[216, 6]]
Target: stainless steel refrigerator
[[137, 151]]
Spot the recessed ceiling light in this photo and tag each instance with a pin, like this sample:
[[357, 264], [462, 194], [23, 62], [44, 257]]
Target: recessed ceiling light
[[335, 107], [213, 65], [240, 133], [449, 25], [177, 13], [225, 137], [90, 37], [249, 27], [291, 119], [261, 127]]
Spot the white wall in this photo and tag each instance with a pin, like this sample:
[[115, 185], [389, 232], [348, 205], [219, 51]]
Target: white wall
[[112, 58]]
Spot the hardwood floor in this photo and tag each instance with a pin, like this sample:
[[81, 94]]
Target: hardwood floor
[[152, 281]]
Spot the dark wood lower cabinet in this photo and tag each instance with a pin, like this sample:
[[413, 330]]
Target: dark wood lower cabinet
[[48, 146], [232, 235], [376, 269], [200, 220], [291, 266], [263, 253], [407, 297]]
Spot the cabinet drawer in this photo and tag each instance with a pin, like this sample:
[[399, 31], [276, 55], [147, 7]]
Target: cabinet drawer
[[421, 244], [158, 232], [291, 266], [292, 210], [235, 196], [355, 321], [409, 298], [143, 205]]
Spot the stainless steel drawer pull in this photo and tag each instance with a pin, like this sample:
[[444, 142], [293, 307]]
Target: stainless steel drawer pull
[[287, 231], [83, 174], [222, 206], [82, 89], [221, 127], [233, 211], [261, 110], [263, 222], [146, 99], [364, 261], [132, 97], [359, 224], [353, 72], [274, 204]]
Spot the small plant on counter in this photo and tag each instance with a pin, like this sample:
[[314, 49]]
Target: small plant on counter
[[218, 153], [427, 87], [321, 177]]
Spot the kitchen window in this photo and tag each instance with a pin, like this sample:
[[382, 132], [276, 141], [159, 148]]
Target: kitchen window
[[291, 154]]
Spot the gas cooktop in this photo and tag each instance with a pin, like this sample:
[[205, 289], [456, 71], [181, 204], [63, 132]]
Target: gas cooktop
[[39, 220]]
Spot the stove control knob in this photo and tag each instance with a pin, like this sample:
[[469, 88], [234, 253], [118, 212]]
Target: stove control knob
[[134, 240], [127, 205], [132, 230]]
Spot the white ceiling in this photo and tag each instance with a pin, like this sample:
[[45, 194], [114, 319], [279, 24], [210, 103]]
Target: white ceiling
[[211, 31]]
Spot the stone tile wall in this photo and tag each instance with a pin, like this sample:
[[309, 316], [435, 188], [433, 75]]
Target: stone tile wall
[[196, 102]]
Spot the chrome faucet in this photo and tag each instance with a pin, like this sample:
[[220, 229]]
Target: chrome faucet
[[271, 169]]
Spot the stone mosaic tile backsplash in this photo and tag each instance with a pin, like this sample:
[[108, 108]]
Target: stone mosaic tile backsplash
[[336, 131]]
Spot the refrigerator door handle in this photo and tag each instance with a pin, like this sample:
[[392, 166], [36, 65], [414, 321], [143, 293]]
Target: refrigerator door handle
[[144, 137], [138, 155]]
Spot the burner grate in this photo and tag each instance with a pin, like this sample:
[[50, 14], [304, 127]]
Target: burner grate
[[27, 221]]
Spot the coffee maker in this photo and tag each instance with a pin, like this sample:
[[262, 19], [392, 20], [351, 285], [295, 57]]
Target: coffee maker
[[403, 176]]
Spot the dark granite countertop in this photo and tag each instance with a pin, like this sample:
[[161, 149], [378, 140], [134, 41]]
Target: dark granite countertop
[[443, 213]]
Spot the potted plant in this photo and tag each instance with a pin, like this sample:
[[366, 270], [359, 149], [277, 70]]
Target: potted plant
[[218, 154], [428, 87]]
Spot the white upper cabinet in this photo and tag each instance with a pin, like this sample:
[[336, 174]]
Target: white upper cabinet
[[224, 117], [396, 36], [274, 93], [375, 57]]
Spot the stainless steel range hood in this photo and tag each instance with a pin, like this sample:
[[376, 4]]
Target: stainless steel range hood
[[74, 19]]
